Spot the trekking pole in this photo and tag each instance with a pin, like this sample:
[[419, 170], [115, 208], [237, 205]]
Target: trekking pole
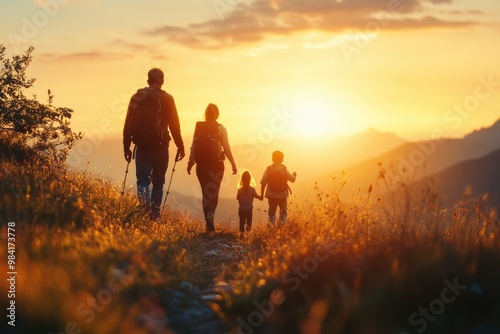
[[170, 182], [125, 180], [126, 171]]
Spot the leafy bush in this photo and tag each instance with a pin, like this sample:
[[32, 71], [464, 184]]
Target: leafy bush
[[28, 127]]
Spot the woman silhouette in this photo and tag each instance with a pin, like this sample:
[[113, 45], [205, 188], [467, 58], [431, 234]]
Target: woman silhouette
[[208, 151]]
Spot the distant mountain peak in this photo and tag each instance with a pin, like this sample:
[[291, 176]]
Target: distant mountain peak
[[372, 132], [485, 133]]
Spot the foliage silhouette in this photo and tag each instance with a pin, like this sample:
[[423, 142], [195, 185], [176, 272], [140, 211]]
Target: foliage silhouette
[[29, 128]]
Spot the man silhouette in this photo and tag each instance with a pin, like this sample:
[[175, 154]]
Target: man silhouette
[[151, 158]]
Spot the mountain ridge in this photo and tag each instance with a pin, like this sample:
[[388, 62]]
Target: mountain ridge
[[414, 160]]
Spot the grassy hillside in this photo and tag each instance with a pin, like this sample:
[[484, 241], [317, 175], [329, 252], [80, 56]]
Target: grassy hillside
[[88, 261]]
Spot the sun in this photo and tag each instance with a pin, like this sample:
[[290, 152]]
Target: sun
[[313, 118]]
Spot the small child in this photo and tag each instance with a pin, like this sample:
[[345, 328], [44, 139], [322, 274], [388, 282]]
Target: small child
[[246, 194], [276, 178]]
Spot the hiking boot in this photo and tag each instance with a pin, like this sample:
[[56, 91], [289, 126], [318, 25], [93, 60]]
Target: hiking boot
[[249, 228], [153, 216], [209, 219]]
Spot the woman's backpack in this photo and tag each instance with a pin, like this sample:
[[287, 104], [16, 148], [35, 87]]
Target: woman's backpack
[[207, 144]]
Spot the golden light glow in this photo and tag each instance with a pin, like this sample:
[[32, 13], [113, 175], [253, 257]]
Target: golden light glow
[[314, 118]]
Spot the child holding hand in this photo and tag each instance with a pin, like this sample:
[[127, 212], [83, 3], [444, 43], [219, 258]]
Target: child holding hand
[[246, 194]]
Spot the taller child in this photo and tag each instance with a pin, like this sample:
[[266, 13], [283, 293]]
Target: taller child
[[151, 113], [275, 184]]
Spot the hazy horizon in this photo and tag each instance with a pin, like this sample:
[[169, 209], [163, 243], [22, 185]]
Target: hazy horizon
[[309, 158], [283, 73]]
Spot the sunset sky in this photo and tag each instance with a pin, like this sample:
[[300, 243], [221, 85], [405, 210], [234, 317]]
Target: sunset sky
[[297, 67]]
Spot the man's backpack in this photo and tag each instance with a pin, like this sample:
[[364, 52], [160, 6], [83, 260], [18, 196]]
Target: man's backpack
[[206, 144], [277, 178], [147, 129]]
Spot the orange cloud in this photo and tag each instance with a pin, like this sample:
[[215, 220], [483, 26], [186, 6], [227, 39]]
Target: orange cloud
[[79, 56], [243, 24]]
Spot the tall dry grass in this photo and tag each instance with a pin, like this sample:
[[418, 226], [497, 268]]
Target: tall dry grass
[[362, 265], [385, 261]]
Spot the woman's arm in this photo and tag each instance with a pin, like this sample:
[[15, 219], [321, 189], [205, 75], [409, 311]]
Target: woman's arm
[[227, 148], [191, 161]]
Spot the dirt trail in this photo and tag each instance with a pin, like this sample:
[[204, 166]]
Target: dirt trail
[[187, 309]]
